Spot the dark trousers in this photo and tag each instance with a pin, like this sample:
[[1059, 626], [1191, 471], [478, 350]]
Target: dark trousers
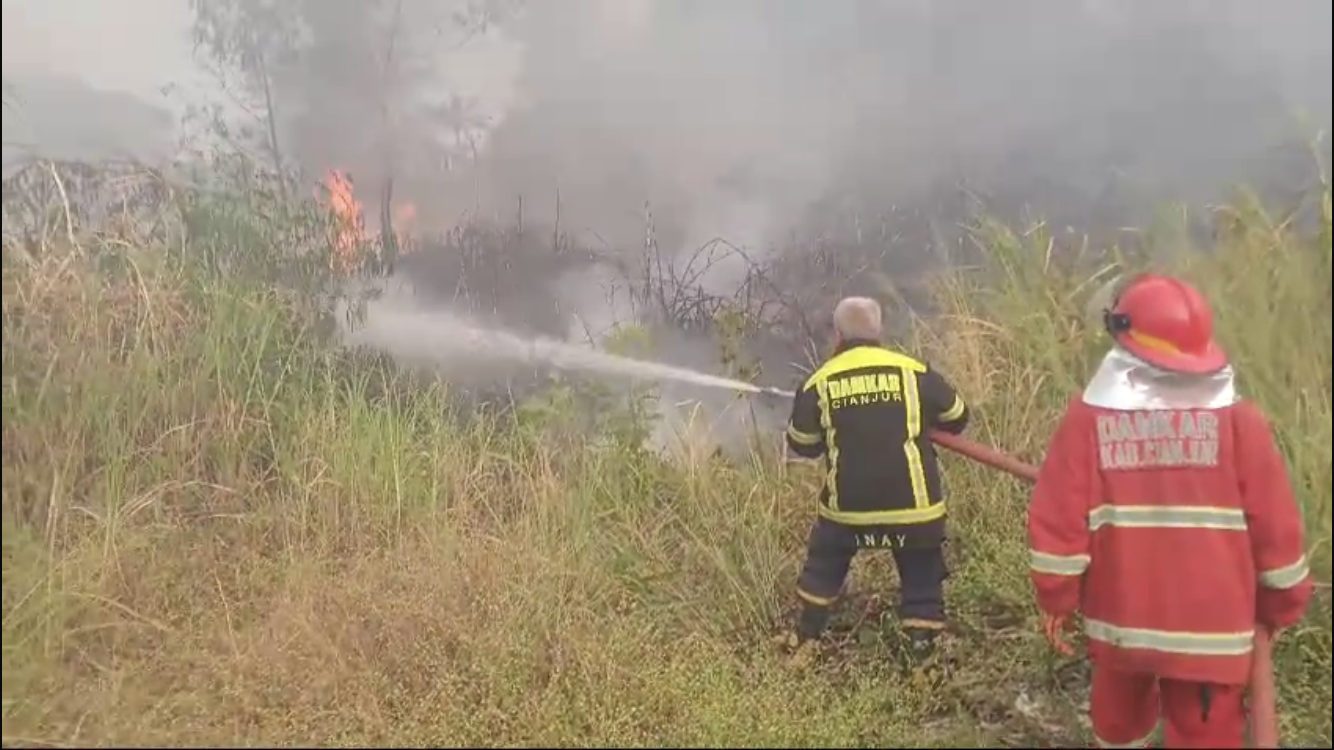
[[919, 558]]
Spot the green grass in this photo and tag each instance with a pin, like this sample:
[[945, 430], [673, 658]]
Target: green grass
[[216, 531]]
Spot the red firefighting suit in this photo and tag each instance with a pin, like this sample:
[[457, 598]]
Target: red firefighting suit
[[1164, 512], [1159, 525]]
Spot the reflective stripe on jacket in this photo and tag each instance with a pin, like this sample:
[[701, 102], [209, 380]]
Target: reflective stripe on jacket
[[1173, 533], [867, 411]]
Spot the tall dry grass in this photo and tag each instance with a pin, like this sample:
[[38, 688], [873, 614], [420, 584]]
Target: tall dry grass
[[218, 531]]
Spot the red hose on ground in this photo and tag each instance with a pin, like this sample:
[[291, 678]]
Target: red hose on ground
[[1263, 706]]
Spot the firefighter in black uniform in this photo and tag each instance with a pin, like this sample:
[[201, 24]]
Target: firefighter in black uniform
[[867, 411]]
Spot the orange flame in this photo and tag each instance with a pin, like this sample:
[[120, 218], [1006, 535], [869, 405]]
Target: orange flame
[[349, 230], [349, 233]]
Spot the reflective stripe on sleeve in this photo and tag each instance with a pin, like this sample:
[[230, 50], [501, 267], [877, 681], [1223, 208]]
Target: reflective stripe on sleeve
[[954, 412], [1167, 517], [801, 438], [1287, 576], [1169, 642], [1059, 565]]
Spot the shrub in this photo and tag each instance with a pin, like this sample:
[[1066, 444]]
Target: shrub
[[219, 530]]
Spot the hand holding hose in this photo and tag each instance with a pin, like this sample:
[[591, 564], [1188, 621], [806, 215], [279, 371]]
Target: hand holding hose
[[1055, 628]]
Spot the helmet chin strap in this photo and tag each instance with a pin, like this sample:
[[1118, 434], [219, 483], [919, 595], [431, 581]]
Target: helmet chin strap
[[1115, 322], [1108, 297]]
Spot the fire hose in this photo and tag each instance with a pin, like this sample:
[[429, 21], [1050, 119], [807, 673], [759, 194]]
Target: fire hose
[[1263, 701], [1263, 707]]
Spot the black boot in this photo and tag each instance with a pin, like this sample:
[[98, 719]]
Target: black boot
[[921, 643], [921, 652], [812, 621], [803, 643]]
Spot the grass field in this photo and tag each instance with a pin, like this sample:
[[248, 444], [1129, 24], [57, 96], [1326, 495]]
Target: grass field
[[218, 532]]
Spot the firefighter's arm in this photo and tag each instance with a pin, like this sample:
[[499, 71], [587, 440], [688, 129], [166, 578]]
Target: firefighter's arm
[[1058, 531], [942, 406], [805, 436], [1274, 522]]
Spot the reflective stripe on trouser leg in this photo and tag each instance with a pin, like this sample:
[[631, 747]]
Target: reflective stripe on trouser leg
[[812, 621], [829, 552], [921, 596], [921, 585]]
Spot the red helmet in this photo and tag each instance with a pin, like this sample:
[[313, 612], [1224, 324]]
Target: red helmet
[[1167, 323]]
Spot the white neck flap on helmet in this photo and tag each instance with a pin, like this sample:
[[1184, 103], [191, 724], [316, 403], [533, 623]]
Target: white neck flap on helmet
[[1126, 383]]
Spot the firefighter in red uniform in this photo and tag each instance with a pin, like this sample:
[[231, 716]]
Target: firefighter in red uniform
[[1164, 513]]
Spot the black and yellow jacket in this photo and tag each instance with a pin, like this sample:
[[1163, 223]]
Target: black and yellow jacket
[[867, 411]]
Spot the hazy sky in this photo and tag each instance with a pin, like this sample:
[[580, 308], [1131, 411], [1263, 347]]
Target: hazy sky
[[142, 46], [136, 46], [756, 108]]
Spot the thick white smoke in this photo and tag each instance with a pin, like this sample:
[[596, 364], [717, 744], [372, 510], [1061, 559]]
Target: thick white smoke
[[741, 119]]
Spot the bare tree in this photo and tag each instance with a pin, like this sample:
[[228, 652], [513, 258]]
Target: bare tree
[[243, 44], [352, 84]]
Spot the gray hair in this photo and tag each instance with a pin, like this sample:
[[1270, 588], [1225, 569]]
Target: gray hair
[[858, 318]]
